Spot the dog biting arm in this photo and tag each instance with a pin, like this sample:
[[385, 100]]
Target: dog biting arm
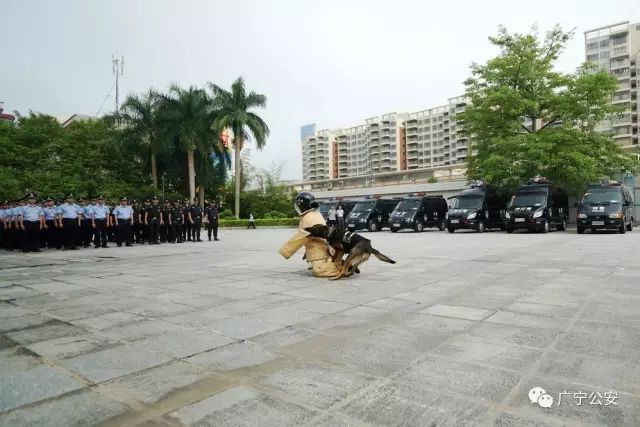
[[292, 245]]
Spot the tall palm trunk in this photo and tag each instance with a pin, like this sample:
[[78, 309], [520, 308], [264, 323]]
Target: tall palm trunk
[[237, 147], [202, 196], [192, 175], [154, 172]]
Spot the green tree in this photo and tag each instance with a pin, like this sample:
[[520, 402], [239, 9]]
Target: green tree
[[187, 117], [527, 119], [139, 113], [234, 112]]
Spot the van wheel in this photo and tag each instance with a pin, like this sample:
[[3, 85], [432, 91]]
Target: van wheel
[[480, 227], [545, 226], [563, 225], [630, 226], [419, 227], [622, 229], [580, 230], [393, 230], [373, 226], [451, 229], [441, 226]]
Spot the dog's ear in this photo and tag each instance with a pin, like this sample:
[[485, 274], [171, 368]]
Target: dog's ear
[[317, 230]]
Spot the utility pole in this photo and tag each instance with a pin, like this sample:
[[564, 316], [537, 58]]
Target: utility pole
[[118, 68]]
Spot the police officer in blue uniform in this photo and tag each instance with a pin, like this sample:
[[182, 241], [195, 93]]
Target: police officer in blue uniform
[[100, 223], [69, 214], [51, 230], [86, 230], [124, 219], [3, 225], [31, 219], [211, 218]]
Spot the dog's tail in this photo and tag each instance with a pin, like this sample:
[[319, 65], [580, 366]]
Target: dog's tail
[[382, 257]]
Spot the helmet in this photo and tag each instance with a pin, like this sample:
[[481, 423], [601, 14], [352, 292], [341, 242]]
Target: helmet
[[305, 201]]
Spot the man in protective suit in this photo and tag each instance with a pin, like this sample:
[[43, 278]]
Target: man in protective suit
[[317, 250]]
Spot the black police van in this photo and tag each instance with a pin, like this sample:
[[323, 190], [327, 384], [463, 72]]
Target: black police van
[[477, 208], [372, 215], [606, 206], [416, 213], [537, 206]]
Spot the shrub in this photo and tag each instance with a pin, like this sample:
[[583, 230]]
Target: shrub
[[432, 179], [226, 214], [275, 214]]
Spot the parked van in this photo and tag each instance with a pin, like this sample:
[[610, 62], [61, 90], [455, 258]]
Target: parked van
[[372, 214], [416, 213], [538, 206], [477, 208], [606, 206]]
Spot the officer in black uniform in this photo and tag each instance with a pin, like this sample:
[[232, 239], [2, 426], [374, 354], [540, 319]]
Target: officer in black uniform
[[186, 231], [165, 212], [144, 225], [211, 217], [152, 219], [195, 216], [177, 221], [136, 231]]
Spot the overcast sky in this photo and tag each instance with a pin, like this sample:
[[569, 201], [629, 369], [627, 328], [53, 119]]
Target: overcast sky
[[329, 62]]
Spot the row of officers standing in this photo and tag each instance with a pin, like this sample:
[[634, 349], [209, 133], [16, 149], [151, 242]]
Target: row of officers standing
[[30, 226]]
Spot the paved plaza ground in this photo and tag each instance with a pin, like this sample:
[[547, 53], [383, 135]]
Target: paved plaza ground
[[228, 333]]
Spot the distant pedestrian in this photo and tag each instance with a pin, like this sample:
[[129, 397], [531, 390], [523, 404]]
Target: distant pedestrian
[[332, 217], [252, 222], [340, 217]]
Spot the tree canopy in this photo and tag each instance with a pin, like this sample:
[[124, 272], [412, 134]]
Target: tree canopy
[[525, 118], [165, 143]]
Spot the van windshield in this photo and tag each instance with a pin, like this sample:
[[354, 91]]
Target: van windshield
[[364, 207], [466, 202], [528, 199], [408, 205], [324, 207], [601, 196]]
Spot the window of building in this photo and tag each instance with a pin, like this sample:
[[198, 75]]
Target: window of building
[[604, 43], [619, 40], [604, 55], [592, 45]]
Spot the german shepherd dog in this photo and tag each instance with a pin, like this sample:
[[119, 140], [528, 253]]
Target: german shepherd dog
[[357, 248]]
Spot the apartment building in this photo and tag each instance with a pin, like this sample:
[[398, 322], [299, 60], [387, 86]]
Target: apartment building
[[616, 49], [387, 144], [435, 138]]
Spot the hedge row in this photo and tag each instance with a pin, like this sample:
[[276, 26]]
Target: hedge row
[[260, 222]]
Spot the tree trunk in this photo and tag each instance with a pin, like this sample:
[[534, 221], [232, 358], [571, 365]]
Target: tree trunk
[[192, 175], [154, 172], [202, 196], [237, 148]]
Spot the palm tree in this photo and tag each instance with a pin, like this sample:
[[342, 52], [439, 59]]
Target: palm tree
[[139, 113], [233, 112], [187, 115]]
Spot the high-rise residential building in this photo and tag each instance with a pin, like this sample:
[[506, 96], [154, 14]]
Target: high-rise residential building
[[435, 138], [387, 144], [616, 49]]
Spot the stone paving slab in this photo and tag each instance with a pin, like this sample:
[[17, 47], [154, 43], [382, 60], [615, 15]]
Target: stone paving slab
[[114, 362], [21, 388], [455, 334]]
